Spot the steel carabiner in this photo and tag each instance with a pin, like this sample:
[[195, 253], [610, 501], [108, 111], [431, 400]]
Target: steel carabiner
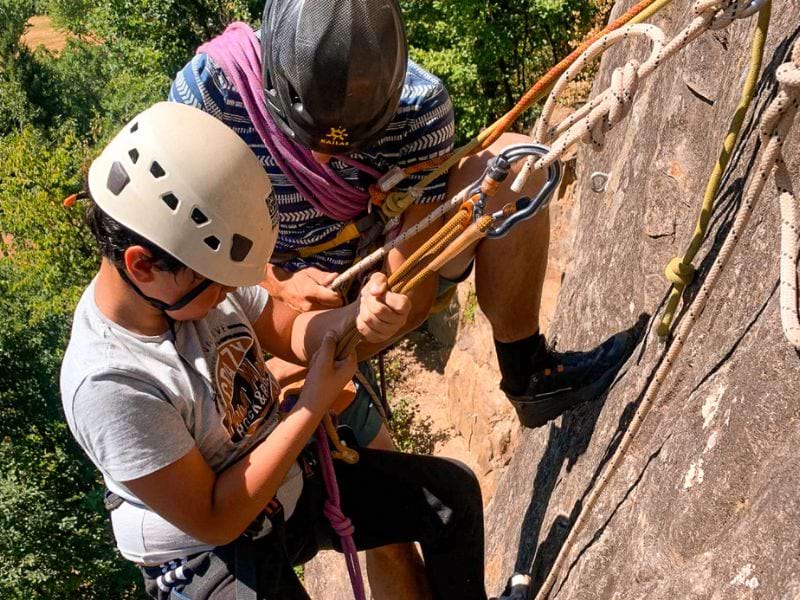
[[525, 207]]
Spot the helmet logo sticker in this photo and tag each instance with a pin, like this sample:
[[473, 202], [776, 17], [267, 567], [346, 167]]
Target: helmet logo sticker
[[337, 136]]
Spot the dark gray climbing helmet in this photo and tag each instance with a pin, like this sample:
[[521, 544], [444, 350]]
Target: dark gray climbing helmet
[[333, 69]]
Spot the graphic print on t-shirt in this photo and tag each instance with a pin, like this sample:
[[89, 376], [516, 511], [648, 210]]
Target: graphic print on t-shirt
[[246, 391]]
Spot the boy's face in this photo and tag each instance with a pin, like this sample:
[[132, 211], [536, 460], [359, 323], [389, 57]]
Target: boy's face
[[171, 288]]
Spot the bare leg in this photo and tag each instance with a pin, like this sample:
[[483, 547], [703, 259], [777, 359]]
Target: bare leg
[[509, 272], [397, 572]]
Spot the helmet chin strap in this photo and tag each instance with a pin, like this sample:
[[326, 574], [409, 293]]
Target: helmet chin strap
[[163, 306]]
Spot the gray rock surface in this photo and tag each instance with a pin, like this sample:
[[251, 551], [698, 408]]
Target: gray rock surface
[[706, 502]]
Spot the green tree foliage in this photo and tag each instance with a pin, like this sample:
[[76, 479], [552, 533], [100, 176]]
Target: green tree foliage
[[56, 111], [171, 29], [54, 539], [489, 52]]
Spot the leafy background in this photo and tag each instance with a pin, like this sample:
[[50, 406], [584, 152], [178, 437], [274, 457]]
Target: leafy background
[[56, 112]]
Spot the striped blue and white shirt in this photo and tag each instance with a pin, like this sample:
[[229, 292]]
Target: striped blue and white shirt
[[423, 128]]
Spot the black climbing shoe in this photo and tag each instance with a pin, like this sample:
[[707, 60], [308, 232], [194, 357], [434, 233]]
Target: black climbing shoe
[[565, 380], [517, 588]]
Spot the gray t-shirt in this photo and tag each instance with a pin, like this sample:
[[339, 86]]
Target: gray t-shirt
[[138, 403]]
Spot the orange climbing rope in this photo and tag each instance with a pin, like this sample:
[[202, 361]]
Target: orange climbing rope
[[540, 88]]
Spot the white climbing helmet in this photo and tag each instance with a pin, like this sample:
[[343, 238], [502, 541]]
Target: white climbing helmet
[[186, 182]]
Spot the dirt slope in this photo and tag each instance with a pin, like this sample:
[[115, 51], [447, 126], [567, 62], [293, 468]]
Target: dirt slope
[[41, 33]]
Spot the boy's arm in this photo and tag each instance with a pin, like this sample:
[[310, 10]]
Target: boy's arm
[[224, 504]]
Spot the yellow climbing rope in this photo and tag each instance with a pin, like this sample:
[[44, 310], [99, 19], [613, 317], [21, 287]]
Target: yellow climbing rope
[[680, 271]]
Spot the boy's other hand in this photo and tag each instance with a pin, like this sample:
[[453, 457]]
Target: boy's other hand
[[326, 375], [381, 313]]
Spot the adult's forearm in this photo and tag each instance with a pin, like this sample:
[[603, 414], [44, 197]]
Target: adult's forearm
[[310, 328]]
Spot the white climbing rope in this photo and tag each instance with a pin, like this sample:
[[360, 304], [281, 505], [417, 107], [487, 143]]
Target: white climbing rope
[[373, 259], [592, 121], [775, 126], [788, 76]]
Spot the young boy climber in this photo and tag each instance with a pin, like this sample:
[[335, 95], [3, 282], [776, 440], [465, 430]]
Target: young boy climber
[[213, 488]]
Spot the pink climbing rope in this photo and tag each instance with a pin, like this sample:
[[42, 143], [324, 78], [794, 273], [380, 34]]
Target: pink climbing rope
[[238, 53], [333, 511]]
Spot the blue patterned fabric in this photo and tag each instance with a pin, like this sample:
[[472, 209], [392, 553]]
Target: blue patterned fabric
[[423, 128]]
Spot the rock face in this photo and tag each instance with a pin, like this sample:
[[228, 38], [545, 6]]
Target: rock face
[[705, 504]]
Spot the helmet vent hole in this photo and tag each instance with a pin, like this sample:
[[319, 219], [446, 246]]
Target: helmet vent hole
[[134, 154], [199, 217], [118, 178], [171, 200], [212, 242], [135, 127], [157, 171], [240, 248]]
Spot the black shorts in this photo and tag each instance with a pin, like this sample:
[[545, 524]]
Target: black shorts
[[390, 498]]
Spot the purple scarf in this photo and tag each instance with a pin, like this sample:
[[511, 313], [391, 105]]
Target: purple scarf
[[238, 53]]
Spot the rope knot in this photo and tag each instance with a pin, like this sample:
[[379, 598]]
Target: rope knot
[[341, 524], [396, 202], [679, 273], [788, 75], [624, 85]]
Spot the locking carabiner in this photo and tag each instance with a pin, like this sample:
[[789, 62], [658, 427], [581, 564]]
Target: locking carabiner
[[524, 207]]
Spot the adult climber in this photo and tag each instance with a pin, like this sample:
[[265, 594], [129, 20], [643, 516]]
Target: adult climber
[[164, 385], [339, 87]]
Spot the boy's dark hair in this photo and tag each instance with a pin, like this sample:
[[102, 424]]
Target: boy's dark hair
[[113, 239]]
